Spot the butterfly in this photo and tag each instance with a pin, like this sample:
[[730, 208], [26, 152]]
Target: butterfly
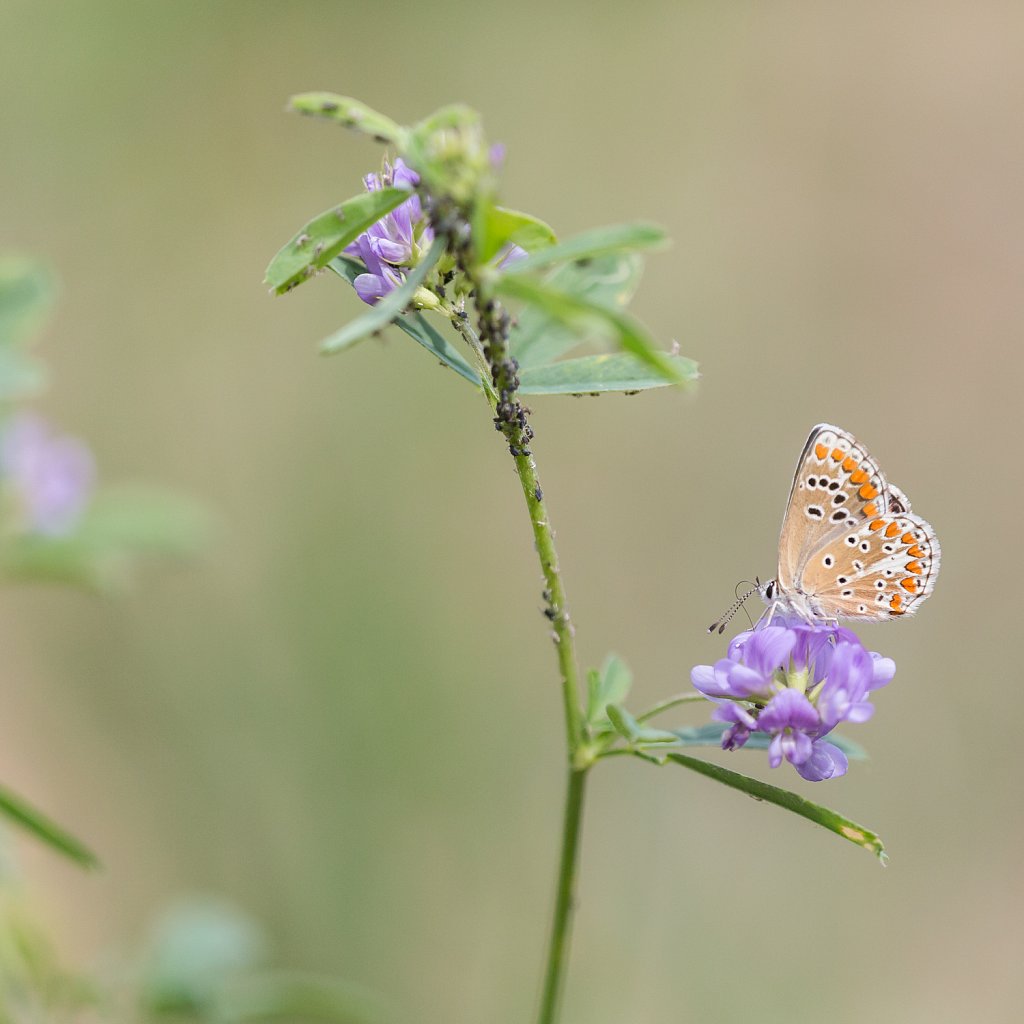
[[850, 547]]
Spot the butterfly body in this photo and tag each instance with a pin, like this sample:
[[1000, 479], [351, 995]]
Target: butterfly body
[[850, 547]]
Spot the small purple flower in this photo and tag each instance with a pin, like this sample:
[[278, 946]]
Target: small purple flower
[[48, 477], [795, 682], [396, 242]]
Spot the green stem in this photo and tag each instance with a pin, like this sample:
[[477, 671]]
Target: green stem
[[561, 924], [491, 343], [671, 702], [562, 630]]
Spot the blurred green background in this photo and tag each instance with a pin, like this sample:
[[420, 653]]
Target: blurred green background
[[345, 718]]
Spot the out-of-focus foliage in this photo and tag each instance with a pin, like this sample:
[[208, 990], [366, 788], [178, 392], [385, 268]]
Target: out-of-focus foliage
[[204, 961], [55, 524]]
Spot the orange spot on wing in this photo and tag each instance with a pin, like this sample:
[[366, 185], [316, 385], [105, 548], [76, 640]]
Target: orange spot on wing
[[914, 567], [849, 463], [837, 454], [894, 604], [892, 529], [915, 551], [821, 450], [858, 477], [867, 492], [877, 524], [907, 538], [910, 585], [871, 510]]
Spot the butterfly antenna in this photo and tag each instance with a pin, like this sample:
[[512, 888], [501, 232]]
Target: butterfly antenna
[[759, 588], [719, 624]]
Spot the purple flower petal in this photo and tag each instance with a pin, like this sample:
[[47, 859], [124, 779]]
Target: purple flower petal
[[882, 670], [390, 252], [769, 649], [794, 681], [403, 176], [370, 287], [827, 761], [789, 709]]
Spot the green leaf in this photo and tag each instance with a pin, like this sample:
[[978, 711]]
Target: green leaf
[[823, 816], [387, 308], [629, 728], [325, 236], [416, 325], [31, 820], [26, 297], [536, 339], [421, 330], [349, 113], [585, 316], [617, 371], [622, 721], [710, 735], [495, 227], [616, 238], [610, 686]]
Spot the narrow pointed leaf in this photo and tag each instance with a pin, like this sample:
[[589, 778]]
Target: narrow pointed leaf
[[421, 330], [628, 727], [623, 722], [615, 238], [537, 339], [325, 236], [349, 113], [823, 816], [495, 227], [31, 820], [416, 325], [618, 371], [388, 306], [589, 317]]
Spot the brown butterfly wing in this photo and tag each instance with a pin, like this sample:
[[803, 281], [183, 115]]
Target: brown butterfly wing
[[881, 569], [837, 486]]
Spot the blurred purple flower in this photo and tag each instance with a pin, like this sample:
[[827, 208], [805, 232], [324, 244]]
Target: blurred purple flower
[[512, 253], [794, 682], [398, 240], [49, 477]]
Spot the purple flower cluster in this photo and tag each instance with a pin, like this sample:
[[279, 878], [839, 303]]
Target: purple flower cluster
[[399, 240], [48, 478], [794, 682], [396, 241]]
